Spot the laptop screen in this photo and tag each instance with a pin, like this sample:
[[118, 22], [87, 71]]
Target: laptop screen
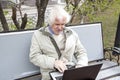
[[83, 73]]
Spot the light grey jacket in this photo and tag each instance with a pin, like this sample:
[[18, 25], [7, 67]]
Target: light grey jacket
[[43, 53]]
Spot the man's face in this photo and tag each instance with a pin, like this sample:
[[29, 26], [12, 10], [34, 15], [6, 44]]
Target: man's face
[[58, 25]]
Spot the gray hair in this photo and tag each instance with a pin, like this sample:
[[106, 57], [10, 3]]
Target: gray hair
[[58, 11]]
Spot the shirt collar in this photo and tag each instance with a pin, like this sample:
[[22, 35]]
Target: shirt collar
[[50, 29]]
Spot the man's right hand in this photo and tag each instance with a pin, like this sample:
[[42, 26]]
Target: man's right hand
[[60, 66]]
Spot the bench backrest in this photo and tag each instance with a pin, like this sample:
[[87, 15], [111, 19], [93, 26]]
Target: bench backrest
[[91, 37], [14, 54], [14, 49]]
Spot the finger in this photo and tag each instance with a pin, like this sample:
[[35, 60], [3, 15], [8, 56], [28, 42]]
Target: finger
[[63, 68], [60, 70]]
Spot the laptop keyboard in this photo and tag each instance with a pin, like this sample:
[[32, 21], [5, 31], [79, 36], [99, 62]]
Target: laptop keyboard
[[59, 78], [70, 67]]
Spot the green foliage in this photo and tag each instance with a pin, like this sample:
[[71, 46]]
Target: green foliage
[[86, 8], [30, 23], [90, 8], [6, 12], [109, 18], [12, 26], [69, 8], [105, 11]]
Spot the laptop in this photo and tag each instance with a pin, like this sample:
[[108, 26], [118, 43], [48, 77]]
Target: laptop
[[83, 73]]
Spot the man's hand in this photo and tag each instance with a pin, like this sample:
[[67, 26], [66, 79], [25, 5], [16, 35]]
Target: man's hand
[[60, 65]]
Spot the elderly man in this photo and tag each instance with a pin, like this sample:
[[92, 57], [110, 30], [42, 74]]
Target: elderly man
[[43, 52]]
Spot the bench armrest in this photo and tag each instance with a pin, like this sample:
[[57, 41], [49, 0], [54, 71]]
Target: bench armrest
[[112, 51]]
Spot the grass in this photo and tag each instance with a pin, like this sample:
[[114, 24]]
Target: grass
[[109, 19]]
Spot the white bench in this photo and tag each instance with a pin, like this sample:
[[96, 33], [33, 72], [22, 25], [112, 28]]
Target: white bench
[[14, 53]]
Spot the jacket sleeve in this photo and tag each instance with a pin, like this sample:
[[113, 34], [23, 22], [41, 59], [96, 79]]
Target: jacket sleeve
[[80, 53], [36, 56]]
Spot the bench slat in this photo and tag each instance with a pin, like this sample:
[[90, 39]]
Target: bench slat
[[107, 73]]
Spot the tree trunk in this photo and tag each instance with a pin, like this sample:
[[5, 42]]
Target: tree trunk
[[41, 7], [24, 21], [3, 19], [14, 18]]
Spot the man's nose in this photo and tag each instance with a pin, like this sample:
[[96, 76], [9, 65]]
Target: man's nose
[[60, 27]]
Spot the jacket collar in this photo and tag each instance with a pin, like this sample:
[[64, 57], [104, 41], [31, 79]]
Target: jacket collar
[[66, 31]]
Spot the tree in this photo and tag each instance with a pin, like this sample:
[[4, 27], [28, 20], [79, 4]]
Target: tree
[[41, 7], [83, 10], [14, 17], [3, 19], [73, 8]]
